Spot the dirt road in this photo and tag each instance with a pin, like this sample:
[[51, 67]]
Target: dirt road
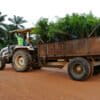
[[46, 84]]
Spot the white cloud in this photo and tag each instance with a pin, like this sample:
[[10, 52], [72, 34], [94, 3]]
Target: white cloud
[[32, 10]]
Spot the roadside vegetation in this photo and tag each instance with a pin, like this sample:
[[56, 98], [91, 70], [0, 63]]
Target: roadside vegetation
[[14, 23], [69, 27]]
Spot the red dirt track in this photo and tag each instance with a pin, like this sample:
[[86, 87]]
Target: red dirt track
[[46, 84]]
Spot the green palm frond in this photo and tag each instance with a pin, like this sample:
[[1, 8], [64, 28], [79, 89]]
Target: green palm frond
[[17, 21]]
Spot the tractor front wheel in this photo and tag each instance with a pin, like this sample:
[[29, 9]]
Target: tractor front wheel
[[2, 64]]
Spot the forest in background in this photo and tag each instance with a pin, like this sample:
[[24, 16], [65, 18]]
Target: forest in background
[[68, 27]]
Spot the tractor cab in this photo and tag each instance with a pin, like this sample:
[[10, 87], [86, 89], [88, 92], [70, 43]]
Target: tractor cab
[[23, 43], [23, 37]]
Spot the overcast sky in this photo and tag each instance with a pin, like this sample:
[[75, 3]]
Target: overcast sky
[[32, 10]]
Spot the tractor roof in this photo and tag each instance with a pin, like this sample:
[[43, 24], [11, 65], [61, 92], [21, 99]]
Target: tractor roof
[[21, 31]]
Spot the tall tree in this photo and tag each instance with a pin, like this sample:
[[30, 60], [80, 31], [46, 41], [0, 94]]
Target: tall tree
[[17, 22], [2, 30], [42, 29]]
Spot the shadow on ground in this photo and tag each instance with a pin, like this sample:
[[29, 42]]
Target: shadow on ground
[[96, 70]]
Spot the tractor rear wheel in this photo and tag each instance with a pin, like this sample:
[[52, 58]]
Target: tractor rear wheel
[[22, 60]]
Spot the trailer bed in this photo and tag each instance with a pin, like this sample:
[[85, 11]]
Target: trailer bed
[[79, 47]]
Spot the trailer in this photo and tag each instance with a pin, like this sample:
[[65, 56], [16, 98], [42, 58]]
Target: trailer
[[81, 55]]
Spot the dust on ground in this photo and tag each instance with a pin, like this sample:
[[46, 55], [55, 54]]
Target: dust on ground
[[46, 84]]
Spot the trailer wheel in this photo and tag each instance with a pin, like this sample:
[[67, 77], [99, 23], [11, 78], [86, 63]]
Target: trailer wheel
[[21, 60], [2, 64], [79, 69]]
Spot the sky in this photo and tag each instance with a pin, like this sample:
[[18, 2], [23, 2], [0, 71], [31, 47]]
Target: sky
[[32, 10]]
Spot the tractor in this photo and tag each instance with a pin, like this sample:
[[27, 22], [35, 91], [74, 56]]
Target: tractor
[[22, 57]]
